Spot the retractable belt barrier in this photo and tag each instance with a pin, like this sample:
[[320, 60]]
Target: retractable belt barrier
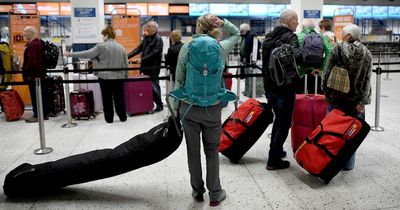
[[379, 72], [43, 149]]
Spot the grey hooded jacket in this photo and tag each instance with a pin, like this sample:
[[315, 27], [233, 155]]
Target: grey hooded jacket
[[357, 59]]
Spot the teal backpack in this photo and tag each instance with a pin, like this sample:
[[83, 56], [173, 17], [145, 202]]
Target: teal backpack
[[204, 85]]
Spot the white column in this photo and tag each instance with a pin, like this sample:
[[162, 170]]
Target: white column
[[87, 21], [308, 9]]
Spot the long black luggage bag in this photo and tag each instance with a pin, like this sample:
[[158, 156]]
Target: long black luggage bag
[[141, 150]]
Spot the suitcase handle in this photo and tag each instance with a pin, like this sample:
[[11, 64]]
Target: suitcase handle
[[173, 116]]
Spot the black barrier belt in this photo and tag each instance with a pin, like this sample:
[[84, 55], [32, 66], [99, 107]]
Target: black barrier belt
[[387, 71], [121, 69], [386, 63], [129, 79]]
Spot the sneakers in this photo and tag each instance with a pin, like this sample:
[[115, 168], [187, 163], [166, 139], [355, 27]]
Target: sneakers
[[280, 164], [197, 196], [219, 200]]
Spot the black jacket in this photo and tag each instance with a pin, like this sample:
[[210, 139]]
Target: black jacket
[[151, 49], [172, 57], [248, 47], [280, 35]]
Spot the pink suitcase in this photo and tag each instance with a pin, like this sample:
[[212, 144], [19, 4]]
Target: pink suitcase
[[309, 110], [138, 96], [82, 104]]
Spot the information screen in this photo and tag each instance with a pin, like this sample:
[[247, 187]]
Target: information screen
[[65, 8], [380, 11], [363, 11], [119, 9], [258, 10], [196, 9], [135, 8], [274, 10], [157, 9], [219, 9], [179, 9], [394, 12], [238, 9], [47, 8], [24, 8], [5, 8]]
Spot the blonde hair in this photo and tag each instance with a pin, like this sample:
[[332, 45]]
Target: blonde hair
[[204, 25], [109, 32], [175, 36]]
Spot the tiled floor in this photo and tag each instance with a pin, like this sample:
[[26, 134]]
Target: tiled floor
[[373, 184]]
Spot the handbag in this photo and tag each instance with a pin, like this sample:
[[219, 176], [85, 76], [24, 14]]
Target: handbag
[[339, 79]]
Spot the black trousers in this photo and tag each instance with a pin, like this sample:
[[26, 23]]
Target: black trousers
[[45, 101], [113, 90]]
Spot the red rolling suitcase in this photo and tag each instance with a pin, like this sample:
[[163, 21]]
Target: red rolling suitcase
[[139, 96], [11, 104], [325, 151], [82, 104], [243, 128], [309, 110]]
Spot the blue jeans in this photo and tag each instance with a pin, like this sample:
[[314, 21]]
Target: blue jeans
[[282, 102], [351, 110]]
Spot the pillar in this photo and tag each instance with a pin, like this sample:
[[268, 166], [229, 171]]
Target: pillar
[[308, 9]]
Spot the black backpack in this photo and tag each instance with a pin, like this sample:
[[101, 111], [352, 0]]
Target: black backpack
[[313, 50], [50, 54], [282, 62]]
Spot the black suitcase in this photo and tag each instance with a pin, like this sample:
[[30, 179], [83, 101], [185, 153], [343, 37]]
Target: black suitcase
[[56, 94], [141, 150], [243, 128]]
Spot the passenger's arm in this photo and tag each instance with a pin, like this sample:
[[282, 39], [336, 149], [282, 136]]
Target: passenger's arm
[[366, 92], [228, 44], [91, 53], [135, 51]]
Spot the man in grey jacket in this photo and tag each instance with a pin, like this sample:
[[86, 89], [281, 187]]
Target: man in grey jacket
[[150, 61]]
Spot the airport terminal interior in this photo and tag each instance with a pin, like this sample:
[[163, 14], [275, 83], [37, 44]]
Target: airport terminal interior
[[374, 183]]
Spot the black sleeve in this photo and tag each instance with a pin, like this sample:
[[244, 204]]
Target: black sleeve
[[294, 42], [157, 49]]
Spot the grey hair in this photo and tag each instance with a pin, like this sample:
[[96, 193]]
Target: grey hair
[[31, 29], [287, 15], [153, 24], [353, 30], [244, 27], [308, 23]]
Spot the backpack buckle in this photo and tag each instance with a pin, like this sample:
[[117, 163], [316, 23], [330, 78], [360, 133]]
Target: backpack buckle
[[205, 70]]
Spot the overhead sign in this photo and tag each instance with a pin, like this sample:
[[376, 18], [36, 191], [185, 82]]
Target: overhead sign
[[65, 8], [339, 22], [47, 8], [312, 14], [84, 12]]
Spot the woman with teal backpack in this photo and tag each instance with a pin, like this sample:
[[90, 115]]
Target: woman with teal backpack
[[199, 87]]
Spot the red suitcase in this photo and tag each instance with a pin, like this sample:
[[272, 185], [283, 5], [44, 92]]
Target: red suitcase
[[243, 128], [82, 104], [11, 104], [228, 81], [309, 110], [139, 96], [325, 151]]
